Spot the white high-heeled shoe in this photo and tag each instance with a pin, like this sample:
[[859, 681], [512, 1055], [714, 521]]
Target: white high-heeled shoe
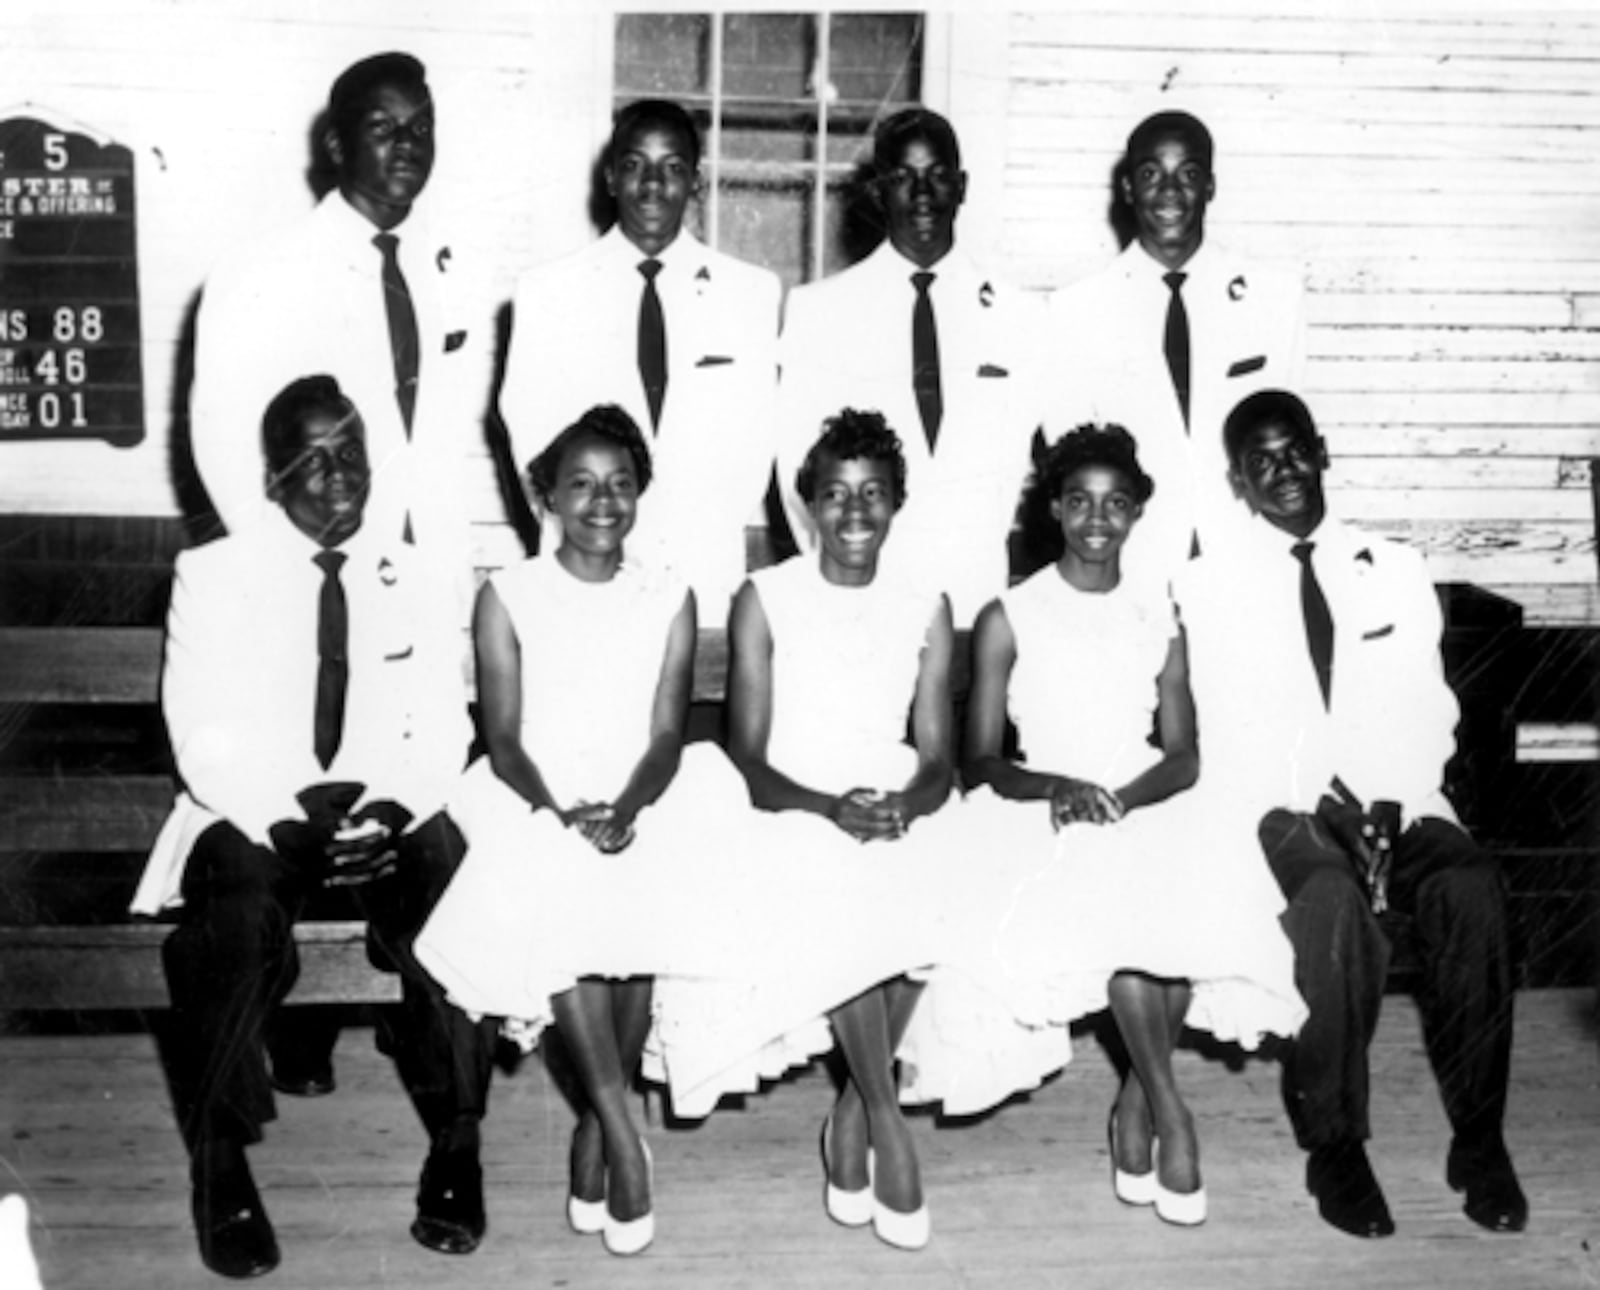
[[903, 1231], [625, 1237], [1180, 1208], [586, 1217], [1130, 1188], [18, 1268], [847, 1208]]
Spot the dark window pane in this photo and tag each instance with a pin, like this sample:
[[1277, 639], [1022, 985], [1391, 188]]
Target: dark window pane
[[665, 54], [876, 58], [768, 55], [767, 219]]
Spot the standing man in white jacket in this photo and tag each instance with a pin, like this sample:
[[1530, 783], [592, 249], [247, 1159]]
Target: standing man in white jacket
[[948, 352], [360, 288], [681, 336], [1167, 337]]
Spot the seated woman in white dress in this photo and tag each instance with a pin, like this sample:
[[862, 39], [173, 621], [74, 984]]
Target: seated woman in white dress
[[826, 658], [1147, 898], [585, 668]]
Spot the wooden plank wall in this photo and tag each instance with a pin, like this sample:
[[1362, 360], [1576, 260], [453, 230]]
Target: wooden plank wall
[[1430, 168], [1434, 174]]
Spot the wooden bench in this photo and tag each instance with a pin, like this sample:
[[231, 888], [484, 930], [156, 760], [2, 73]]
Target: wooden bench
[[91, 813], [117, 965], [95, 814]]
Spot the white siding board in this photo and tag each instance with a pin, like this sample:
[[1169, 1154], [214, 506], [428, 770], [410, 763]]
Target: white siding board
[[1461, 343], [1443, 411], [1433, 308], [1447, 472], [1502, 505], [1378, 376], [1433, 174], [1534, 34], [1459, 442]]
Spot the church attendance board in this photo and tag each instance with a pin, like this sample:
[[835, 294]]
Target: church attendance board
[[69, 286]]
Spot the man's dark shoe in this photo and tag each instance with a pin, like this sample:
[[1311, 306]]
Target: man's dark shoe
[[236, 1237], [1494, 1197], [450, 1217], [1348, 1196], [313, 1082]]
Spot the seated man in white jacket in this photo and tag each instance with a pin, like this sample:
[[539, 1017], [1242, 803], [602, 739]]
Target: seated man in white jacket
[[1324, 710], [314, 697]]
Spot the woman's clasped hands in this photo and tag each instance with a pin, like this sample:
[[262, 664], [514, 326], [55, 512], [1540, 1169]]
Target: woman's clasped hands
[[1077, 801], [869, 814], [608, 829]]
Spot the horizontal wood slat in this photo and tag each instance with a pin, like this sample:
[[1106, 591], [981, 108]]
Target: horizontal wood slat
[[80, 664], [1547, 741], [120, 967], [1409, 164], [123, 665], [90, 813]]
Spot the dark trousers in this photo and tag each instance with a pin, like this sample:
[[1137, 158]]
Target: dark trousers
[[232, 959], [1452, 890]]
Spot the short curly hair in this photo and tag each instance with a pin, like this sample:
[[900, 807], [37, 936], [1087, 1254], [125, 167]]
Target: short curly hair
[[603, 421], [850, 436], [1094, 445]]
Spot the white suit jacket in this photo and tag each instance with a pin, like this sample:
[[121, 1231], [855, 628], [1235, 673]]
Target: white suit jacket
[[574, 344], [847, 343], [1264, 730], [1246, 332], [310, 300], [238, 688]]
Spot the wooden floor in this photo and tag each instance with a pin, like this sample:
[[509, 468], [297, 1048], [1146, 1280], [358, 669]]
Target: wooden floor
[[1020, 1198]]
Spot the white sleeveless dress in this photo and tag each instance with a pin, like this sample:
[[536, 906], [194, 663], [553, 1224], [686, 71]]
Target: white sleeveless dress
[[754, 925], [535, 906], [833, 916], [1176, 889]]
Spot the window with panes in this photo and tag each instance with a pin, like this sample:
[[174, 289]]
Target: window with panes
[[786, 104]]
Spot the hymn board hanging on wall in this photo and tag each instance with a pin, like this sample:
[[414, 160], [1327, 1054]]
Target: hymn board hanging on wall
[[69, 285]]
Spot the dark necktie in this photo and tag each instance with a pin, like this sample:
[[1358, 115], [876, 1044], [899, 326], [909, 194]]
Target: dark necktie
[[925, 359], [652, 343], [1319, 620], [333, 663], [1176, 341], [403, 342]]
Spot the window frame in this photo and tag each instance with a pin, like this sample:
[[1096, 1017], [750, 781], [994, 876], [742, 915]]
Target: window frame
[[821, 172]]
